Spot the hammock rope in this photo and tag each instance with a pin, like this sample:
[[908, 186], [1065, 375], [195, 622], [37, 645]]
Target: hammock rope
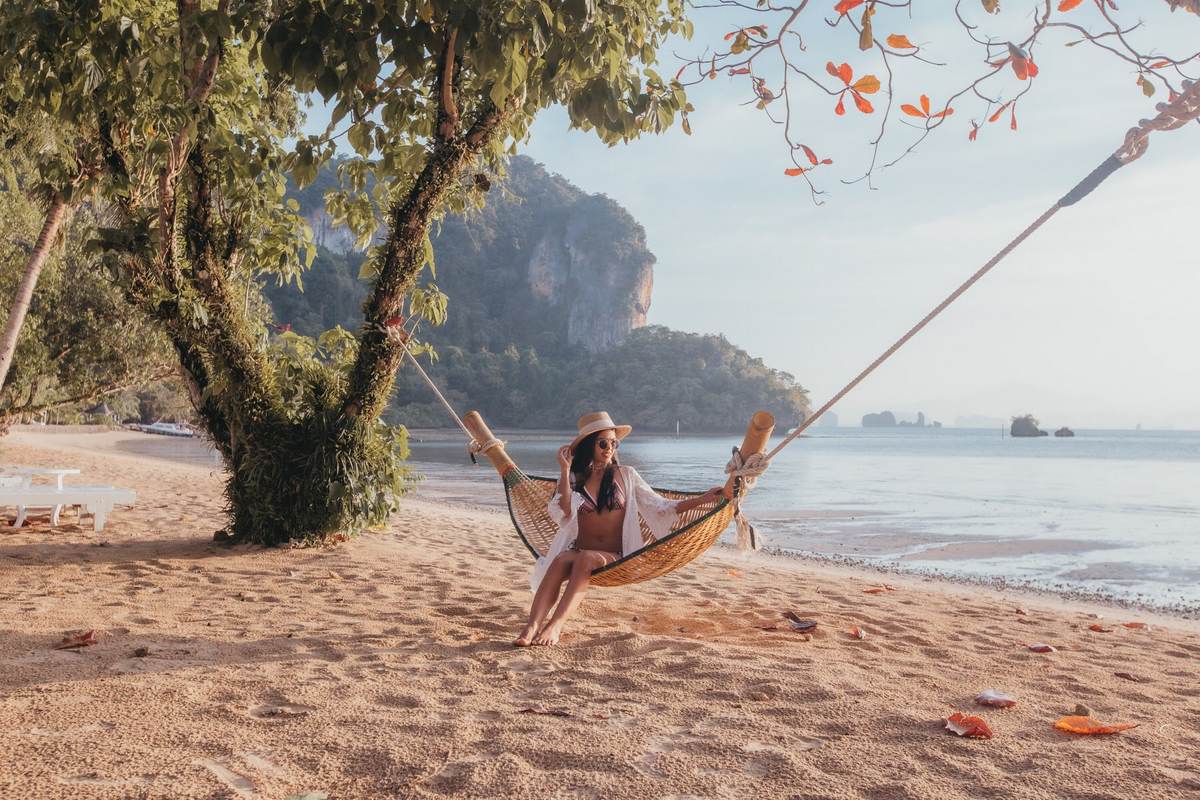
[[697, 529]]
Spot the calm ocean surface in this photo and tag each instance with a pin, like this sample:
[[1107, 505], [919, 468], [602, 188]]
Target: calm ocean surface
[[1112, 512]]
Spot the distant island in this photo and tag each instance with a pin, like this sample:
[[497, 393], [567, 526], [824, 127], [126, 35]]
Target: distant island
[[886, 419], [1026, 427]]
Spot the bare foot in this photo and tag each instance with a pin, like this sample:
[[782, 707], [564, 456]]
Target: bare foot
[[549, 635], [526, 637]]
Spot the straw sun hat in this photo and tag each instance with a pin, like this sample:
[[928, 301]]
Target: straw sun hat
[[598, 421]]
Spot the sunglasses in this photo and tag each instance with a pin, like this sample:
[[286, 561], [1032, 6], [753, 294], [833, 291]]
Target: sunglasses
[[604, 444]]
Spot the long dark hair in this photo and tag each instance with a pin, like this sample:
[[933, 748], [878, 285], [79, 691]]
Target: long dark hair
[[581, 462]]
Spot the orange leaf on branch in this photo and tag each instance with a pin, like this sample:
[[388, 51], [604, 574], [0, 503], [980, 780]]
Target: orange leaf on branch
[[843, 72], [1022, 64], [1089, 726], [900, 42], [867, 84], [793, 172], [846, 6], [924, 111], [1067, 5]]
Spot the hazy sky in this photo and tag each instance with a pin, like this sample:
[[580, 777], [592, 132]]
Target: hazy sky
[[1091, 323]]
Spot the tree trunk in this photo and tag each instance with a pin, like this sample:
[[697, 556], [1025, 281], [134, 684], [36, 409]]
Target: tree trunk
[[33, 268]]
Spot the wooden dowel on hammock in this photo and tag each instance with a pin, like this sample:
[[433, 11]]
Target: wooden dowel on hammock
[[757, 435], [482, 433]]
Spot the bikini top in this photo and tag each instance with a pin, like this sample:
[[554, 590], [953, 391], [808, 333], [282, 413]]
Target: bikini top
[[589, 504]]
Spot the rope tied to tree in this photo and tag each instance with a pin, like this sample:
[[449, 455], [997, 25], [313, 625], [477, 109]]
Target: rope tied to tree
[[746, 470]]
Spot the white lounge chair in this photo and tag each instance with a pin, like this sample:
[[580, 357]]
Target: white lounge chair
[[97, 500]]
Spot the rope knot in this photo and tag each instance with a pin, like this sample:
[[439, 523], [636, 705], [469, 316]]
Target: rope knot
[[747, 470], [474, 446]]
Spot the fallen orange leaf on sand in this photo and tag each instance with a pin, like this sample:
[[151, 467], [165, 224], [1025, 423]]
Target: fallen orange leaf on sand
[[1098, 628], [857, 632], [1040, 647], [1087, 725], [73, 641], [970, 726], [1137, 626]]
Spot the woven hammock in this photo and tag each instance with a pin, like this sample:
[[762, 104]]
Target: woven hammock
[[693, 532]]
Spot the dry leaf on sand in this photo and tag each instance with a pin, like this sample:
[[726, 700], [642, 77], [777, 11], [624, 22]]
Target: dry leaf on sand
[[798, 624], [549, 712], [968, 725], [1087, 725], [1040, 647], [75, 640], [996, 698], [857, 632]]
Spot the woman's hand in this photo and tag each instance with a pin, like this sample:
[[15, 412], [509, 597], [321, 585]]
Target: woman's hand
[[564, 457], [713, 495]]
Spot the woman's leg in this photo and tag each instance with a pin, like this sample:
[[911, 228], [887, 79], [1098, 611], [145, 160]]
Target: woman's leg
[[546, 594], [577, 584]]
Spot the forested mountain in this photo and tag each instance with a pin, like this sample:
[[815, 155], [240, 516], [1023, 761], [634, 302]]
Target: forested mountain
[[549, 289]]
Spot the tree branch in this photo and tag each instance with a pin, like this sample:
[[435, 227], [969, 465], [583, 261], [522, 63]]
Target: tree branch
[[447, 112], [402, 257]]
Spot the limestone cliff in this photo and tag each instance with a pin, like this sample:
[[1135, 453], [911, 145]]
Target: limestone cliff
[[546, 262], [543, 264]]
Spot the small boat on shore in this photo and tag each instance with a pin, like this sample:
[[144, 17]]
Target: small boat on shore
[[167, 429]]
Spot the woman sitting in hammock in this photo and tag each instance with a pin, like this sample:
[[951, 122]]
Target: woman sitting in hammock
[[596, 506]]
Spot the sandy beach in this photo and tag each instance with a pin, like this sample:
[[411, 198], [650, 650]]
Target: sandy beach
[[382, 667]]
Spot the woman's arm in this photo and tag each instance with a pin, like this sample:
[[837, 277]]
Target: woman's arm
[[712, 495], [564, 480]]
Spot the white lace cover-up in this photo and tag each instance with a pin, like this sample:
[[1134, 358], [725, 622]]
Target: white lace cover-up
[[640, 500]]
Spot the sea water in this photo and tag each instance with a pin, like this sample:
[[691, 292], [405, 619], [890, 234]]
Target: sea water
[[1115, 513]]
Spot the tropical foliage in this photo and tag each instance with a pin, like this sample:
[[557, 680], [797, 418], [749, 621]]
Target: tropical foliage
[[81, 340], [174, 115]]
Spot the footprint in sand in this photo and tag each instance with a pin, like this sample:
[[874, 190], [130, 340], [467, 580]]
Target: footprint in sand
[[241, 785], [93, 779], [282, 711]]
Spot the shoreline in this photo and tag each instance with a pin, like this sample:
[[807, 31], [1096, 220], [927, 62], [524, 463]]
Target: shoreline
[[446, 493]]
